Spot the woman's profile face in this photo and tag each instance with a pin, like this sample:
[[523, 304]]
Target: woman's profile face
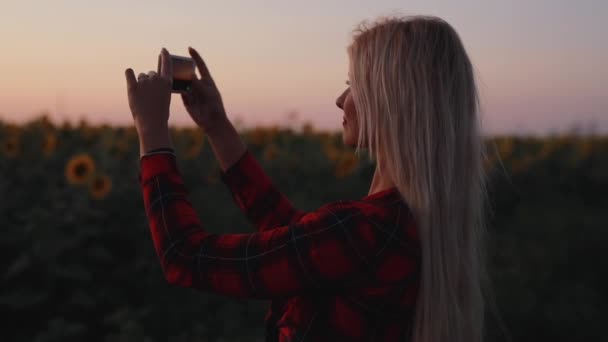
[[349, 124]]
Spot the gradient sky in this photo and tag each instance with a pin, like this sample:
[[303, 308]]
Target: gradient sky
[[540, 65]]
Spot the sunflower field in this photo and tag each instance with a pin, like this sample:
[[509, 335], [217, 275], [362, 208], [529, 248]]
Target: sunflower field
[[78, 262]]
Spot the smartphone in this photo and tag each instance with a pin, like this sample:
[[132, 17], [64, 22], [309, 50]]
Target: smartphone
[[183, 73]]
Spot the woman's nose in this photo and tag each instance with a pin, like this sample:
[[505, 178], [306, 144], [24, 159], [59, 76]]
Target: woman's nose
[[340, 101]]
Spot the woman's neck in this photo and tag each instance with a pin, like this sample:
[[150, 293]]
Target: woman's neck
[[380, 182]]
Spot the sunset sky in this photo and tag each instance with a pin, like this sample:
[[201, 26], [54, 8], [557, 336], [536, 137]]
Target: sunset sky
[[541, 66]]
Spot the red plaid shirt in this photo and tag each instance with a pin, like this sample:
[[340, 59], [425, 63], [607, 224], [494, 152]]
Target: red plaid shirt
[[348, 271]]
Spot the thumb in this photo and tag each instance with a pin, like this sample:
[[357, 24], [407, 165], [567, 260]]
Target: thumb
[[198, 88], [187, 99]]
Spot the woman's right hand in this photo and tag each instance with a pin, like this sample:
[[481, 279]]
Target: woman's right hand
[[204, 102]]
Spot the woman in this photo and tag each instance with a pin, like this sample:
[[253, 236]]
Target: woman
[[404, 262]]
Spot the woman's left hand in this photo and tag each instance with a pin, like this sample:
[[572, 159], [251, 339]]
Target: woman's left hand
[[150, 97]]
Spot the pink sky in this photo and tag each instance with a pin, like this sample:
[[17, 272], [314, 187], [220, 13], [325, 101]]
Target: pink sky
[[540, 66]]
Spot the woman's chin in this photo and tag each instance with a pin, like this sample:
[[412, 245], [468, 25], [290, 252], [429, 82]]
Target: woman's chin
[[346, 139]]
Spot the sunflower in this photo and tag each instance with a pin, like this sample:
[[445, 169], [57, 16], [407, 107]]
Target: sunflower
[[175, 133], [270, 152], [308, 128], [13, 130], [45, 122], [119, 147], [585, 148], [100, 186], [258, 136], [195, 146], [506, 147], [521, 165], [79, 169], [546, 150], [66, 126], [123, 145], [89, 133], [49, 143], [332, 153], [213, 177], [192, 151], [132, 133], [292, 163], [346, 165], [274, 131], [10, 146]]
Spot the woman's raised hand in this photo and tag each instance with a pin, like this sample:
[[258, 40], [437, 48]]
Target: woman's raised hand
[[150, 96], [204, 102]]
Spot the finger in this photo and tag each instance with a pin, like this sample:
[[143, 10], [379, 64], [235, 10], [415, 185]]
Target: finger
[[152, 74], [141, 76], [198, 87], [166, 67], [131, 81], [200, 64]]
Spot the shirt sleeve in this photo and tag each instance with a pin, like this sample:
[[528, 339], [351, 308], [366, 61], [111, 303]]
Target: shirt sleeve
[[159, 150], [257, 196], [331, 248]]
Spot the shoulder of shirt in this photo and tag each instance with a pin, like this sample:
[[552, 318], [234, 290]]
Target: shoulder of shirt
[[157, 152], [360, 204], [354, 209], [341, 210], [368, 212]]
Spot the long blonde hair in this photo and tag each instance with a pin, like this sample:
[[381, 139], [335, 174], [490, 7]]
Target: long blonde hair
[[416, 100]]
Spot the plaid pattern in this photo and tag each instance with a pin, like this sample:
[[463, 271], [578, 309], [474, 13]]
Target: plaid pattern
[[347, 271]]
